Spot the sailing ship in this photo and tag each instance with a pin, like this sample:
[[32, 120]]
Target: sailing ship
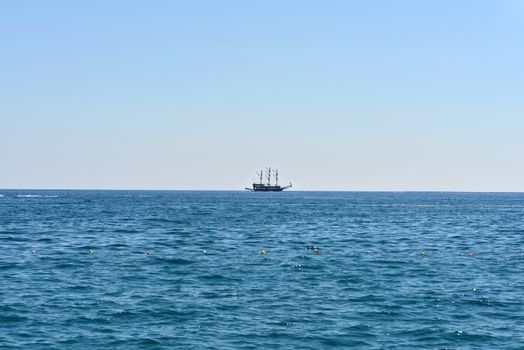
[[268, 187]]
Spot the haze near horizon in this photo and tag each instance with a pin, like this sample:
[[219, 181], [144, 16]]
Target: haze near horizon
[[339, 95]]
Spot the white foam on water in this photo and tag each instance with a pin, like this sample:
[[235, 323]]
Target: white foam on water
[[28, 195]]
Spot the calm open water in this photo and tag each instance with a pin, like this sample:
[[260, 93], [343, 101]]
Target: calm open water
[[186, 270]]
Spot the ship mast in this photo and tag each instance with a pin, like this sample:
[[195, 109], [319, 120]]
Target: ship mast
[[276, 177], [260, 176], [269, 176]]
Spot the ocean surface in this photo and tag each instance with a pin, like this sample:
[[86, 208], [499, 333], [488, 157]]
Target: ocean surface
[[241, 270]]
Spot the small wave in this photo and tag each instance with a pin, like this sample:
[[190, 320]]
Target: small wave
[[8, 266], [176, 261], [28, 195], [117, 246], [124, 230], [165, 220], [13, 318], [214, 277], [148, 341], [65, 266]]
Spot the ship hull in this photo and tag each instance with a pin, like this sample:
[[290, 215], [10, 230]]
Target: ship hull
[[268, 189]]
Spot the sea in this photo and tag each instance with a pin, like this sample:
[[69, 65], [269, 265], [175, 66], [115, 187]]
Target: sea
[[244, 270]]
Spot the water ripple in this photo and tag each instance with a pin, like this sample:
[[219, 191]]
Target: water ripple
[[222, 270]]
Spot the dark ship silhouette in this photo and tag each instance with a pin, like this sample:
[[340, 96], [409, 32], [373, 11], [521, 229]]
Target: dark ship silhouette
[[268, 187]]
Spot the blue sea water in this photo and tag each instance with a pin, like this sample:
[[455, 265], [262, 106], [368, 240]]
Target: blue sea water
[[223, 270]]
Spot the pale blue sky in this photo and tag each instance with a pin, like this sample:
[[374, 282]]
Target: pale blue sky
[[340, 95]]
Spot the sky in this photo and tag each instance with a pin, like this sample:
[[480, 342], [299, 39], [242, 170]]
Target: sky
[[372, 95]]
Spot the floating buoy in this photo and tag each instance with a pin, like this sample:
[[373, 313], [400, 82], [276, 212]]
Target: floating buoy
[[262, 252], [90, 251], [148, 252], [422, 253]]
